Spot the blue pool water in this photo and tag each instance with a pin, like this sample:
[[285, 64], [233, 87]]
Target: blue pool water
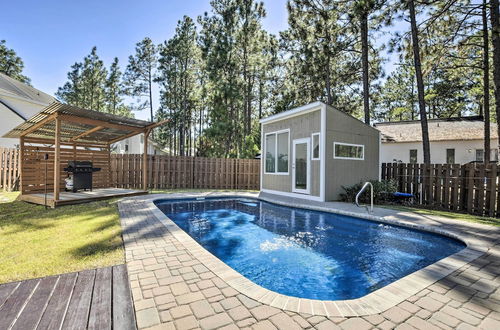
[[307, 254]]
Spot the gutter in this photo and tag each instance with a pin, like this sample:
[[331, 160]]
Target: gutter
[[14, 111]]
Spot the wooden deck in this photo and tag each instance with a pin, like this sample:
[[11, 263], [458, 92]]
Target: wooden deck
[[91, 299], [81, 196]]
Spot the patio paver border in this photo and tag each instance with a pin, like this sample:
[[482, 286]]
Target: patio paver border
[[373, 303]]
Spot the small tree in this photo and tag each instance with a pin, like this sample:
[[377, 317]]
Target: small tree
[[140, 73], [11, 64]]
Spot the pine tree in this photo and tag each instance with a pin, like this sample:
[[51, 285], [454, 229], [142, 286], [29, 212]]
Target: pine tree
[[89, 86], [86, 84], [322, 48], [93, 82], [420, 81], [114, 91], [179, 64], [495, 37], [140, 73], [11, 64], [231, 42]]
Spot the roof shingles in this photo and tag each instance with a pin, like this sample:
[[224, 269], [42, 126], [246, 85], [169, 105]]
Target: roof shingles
[[456, 129]]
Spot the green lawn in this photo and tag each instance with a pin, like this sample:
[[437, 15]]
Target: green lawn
[[446, 214], [35, 242]]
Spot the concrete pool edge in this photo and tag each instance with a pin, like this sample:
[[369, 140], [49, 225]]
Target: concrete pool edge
[[373, 303]]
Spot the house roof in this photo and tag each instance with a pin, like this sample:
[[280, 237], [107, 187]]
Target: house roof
[[449, 129], [79, 124], [14, 88]]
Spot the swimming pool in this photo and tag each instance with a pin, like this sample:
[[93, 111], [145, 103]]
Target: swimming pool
[[304, 253]]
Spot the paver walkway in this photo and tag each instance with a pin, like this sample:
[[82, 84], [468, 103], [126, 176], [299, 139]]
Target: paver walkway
[[92, 299], [172, 289]]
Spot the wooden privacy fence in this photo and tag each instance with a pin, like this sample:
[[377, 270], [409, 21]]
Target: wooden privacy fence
[[176, 172], [471, 188], [9, 169]]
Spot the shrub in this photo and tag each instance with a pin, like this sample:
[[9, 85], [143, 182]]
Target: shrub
[[382, 191]]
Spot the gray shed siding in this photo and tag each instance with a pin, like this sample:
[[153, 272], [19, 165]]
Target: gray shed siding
[[301, 126], [341, 127]]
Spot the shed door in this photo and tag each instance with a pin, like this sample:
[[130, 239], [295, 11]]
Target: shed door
[[301, 166]]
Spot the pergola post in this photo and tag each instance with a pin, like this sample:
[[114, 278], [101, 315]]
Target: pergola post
[[145, 161], [57, 156], [21, 163]]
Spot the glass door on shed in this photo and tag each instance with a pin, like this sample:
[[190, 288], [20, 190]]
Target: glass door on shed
[[301, 166]]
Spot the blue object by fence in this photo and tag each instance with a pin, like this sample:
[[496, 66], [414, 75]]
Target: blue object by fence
[[400, 194]]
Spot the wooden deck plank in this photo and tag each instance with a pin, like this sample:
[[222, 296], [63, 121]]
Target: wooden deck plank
[[123, 310], [54, 313], [6, 290], [66, 198], [35, 307], [100, 311], [14, 304], [94, 299], [78, 310]]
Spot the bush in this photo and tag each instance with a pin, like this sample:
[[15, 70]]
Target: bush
[[382, 192]]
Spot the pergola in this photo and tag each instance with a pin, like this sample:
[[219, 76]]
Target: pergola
[[62, 133]]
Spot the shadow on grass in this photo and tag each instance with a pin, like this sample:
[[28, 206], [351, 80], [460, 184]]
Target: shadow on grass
[[104, 246], [21, 216]]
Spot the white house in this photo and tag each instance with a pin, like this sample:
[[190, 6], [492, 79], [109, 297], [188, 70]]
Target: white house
[[452, 140], [134, 145], [18, 103]]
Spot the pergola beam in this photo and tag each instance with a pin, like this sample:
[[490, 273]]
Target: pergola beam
[[93, 122], [150, 127], [90, 131], [40, 124], [145, 161]]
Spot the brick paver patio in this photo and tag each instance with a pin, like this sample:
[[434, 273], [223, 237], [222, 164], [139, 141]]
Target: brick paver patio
[[173, 289]]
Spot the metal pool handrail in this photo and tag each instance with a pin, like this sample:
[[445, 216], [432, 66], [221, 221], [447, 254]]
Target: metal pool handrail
[[367, 183]]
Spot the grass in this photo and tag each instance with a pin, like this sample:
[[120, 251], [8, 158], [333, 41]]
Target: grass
[[36, 242], [446, 214]]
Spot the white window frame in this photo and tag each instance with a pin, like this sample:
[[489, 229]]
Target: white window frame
[[319, 146], [348, 144], [276, 156]]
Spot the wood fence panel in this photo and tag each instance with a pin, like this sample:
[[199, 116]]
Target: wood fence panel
[[176, 172], [9, 168], [471, 188]]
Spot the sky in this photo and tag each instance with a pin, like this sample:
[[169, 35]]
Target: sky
[[52, 35]]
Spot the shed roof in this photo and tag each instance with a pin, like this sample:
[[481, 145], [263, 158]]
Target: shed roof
[[449, 129], [79, 124]]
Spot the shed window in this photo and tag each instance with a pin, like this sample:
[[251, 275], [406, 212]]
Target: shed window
[[271, 153], [277, 149], [450, 156], [413, 156], [315, 146], [282, 142], [348, 151]]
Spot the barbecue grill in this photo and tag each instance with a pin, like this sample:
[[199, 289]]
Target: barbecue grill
[[82, 174]]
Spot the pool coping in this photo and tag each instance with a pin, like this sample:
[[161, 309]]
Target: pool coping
[[373, 303]]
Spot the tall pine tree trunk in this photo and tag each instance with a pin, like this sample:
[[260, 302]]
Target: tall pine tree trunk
[[495, 37], [420, 83], [486, 84], [364, 60]]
